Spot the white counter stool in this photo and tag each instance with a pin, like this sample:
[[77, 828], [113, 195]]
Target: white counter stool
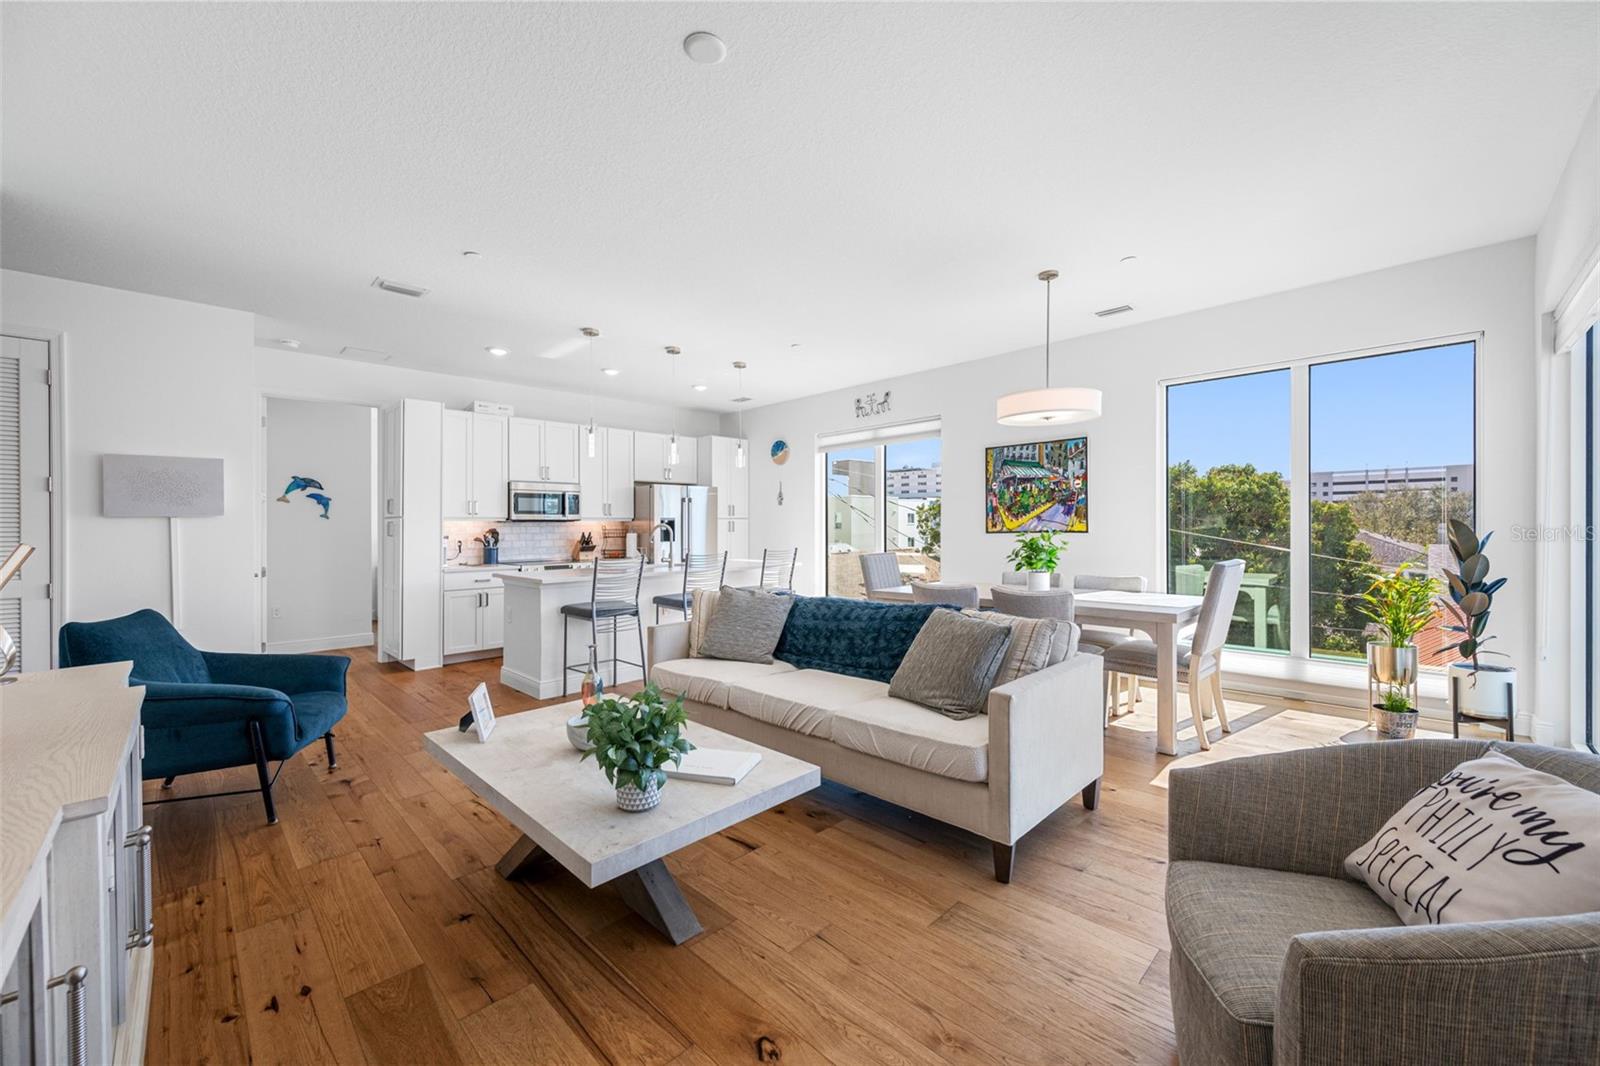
[[613, 595], [699, 572]]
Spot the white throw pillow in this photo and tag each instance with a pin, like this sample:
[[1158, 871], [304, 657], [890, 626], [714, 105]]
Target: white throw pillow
[[1490, 840], [702, 605]]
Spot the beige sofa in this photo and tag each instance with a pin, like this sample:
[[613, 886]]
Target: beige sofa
[[998, 775]]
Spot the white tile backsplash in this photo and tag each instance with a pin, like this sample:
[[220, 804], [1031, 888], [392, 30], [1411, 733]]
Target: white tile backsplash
[[518, 540]]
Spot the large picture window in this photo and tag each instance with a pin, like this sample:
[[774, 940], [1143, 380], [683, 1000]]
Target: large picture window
[[882, 496], [1321, 475]]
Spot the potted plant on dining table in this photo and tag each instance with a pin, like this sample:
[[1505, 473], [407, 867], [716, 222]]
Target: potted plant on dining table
[[1036, 555]]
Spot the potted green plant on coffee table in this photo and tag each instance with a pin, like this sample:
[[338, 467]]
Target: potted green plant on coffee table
[[1401, 605], [634, 738], [1036, 555], [1396, 714]]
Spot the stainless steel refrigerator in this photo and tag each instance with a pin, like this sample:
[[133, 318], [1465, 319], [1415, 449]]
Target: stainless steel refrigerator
[[688, 511]]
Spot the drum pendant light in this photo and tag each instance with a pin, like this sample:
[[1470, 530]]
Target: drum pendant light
[[1048, 406]]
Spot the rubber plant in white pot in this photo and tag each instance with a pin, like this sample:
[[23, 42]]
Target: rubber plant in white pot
[[1477, 690], [634, 738], [1036, 555]]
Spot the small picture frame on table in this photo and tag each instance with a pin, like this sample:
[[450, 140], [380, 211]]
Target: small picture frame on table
[[480, 714]]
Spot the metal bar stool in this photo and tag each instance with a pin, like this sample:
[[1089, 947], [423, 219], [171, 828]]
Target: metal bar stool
[[699, 572], [613, 594], [777, 568]]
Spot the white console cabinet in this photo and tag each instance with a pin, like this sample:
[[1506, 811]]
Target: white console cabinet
[[76, 920]]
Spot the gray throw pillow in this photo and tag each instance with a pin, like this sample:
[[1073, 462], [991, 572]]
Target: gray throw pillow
[[746, 625], [1033, 643], [951, 665]]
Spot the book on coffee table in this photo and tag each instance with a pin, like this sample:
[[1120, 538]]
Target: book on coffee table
[[718, 766]]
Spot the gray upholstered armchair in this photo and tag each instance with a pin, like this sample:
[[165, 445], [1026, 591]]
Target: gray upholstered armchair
[[1278, 957]]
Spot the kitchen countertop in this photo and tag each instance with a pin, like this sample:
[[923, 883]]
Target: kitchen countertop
[[583, 572]]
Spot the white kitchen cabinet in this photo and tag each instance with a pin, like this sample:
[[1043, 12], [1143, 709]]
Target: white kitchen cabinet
[[391, 589], [473, 474], [474, 607], [652, 453], [619, 474], [592, 479], [392, 442], [734, 537], [718, 459], [462, 624], [408, 568], [456, 465], [544, 451], [489, 479]]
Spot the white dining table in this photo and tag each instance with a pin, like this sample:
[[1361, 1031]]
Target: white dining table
[[1159, 615]]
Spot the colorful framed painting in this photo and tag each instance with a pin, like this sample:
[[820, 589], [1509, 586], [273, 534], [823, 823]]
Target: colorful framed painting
[[1030, 488]]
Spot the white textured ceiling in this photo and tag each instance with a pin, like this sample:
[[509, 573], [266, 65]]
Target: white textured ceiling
[[877, 182]]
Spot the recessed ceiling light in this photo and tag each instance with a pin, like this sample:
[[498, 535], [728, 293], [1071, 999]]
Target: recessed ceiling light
[[610, 371], [287, 342], [497, 351], [699, 388], [703, 47], [470, 254]]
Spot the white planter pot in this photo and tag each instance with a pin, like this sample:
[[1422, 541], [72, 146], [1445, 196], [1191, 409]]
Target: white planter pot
[[1489, 692], [1038, 580], [630, 798]]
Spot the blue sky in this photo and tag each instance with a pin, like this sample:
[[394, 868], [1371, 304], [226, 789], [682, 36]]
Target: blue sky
[[1405, 409]]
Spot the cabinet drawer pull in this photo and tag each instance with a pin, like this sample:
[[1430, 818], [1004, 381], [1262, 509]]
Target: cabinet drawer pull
[[144, 911], [77, 1013]]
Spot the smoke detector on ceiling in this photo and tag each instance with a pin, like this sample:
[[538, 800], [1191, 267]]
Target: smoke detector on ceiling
[[399, 287], [703, 47], [1107, 312]]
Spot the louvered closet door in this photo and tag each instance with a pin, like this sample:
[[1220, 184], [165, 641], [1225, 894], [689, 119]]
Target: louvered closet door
[[24, 493]]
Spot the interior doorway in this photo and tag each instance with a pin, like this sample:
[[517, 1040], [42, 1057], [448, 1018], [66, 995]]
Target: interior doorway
[[29, 445], [318, 517]]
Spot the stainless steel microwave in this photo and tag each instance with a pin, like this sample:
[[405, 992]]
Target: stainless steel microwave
[[541, 501]]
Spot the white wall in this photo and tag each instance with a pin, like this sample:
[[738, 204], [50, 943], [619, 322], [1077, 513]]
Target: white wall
[[1570, 235], [319, 571], [315, 377], [1567, 250], [1488, 289], [150, 375]]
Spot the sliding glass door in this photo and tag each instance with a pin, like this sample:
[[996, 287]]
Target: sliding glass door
[[882, 497]]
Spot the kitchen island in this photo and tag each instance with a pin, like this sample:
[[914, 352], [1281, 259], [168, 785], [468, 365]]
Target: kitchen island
[[533, 623]]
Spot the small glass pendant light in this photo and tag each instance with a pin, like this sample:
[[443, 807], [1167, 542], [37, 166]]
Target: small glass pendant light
[[672, 444], [589, 431], [741, 399]]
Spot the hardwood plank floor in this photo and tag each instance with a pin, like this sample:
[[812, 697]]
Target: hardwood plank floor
[[369, 924]]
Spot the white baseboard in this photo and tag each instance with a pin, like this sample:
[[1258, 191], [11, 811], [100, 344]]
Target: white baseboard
[[542, 690], [300, 647]]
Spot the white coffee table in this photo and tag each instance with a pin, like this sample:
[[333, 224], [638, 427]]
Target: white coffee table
[[567, 810]]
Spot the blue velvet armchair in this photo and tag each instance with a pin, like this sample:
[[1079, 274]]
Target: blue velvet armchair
[[213, 710]]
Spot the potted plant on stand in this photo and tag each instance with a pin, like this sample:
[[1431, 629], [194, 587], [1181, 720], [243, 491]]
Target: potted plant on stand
[[1036, 554], [1400, 605], [1396, 714], [633, 738], [1477, 690]]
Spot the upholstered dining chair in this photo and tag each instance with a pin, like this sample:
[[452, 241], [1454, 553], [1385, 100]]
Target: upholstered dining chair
[[1098, 638], [1020, 603], [880, 570], [699, 572], [1202, 657], [777, 568], [1017, 577], [964, 596], [206, 710]]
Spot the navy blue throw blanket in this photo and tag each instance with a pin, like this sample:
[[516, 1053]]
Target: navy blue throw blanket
[[854, 637]]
